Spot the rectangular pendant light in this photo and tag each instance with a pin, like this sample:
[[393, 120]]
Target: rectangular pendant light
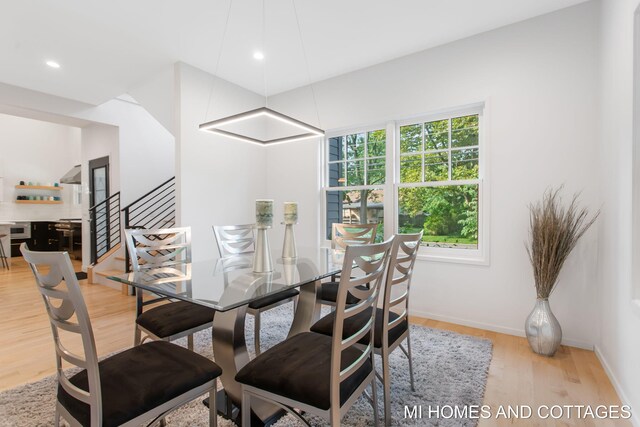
[[215, 126]]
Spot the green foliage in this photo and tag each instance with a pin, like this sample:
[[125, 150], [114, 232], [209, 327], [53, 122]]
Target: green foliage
[[448, 150], [469, 221], [380, 232]]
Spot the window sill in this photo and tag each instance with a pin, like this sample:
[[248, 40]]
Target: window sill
[[470, 260]]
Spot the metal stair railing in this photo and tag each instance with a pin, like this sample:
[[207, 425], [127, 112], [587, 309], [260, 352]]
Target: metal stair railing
[[105, 226], [155, 209]]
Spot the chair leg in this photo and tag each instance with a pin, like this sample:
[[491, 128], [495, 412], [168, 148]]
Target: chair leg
[[213, 357], [163, 423], [3, 256], [137, 336], [410, 361], [334, 413], [374, 397], [56, 420], [256, 332], [190, 342], [246, 409], [386, 386], [213, 410]]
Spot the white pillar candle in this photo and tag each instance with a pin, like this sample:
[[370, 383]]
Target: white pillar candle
[[264, 213], [290, 212]]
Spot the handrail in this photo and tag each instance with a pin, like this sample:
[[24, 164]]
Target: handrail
[[105, 201], [145, 195]]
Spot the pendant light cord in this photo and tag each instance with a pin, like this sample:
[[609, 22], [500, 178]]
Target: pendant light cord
[[264, 52], [306, 61], [215, 72]]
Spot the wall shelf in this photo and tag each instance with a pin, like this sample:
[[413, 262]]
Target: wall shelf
[[39, 187], [40, 202]]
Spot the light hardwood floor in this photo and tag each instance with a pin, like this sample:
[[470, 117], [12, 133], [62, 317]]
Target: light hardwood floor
[[516, 376]]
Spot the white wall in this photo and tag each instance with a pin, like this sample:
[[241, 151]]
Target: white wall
[[97, 141], [157, 96], [218, 178], [143, 140], [619, 344], [539, 78], [36, 151]]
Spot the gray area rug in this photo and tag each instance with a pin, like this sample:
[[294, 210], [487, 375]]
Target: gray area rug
[[449, 368]]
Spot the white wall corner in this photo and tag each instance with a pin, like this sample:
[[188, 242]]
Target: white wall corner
[[635, 417]]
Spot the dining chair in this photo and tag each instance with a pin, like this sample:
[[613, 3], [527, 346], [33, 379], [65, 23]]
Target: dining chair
[[3, 255], [321, 374], [392, 320], [343, 235], [137, 386], [233, 240], [164, 253]]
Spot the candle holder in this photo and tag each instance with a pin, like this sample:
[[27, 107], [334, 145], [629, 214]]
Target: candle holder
[[289, 269], [262, 262], [289, 247]]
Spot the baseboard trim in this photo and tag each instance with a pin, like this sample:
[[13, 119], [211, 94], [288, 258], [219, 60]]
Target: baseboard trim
[[635, 418], [495, 328]]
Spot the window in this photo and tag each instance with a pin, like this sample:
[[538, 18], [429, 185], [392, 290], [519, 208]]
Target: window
[[439, 181], [356, 175], [432, 172]]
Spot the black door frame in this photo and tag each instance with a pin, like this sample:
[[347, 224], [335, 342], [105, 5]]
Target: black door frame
[[101, 162]]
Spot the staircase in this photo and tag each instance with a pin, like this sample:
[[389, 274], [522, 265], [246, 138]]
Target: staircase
[[155, 209]]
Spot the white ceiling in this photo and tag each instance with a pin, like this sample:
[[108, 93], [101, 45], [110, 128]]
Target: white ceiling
[[108, 47]]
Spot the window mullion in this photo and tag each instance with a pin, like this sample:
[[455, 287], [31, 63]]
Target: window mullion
[[423, 149], [449, 154], [365, 162]]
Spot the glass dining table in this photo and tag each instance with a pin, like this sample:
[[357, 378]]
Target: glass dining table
[[228, 285]]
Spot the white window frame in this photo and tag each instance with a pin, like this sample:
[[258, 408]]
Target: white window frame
[[387, 188], [635, 169], [479, 256]]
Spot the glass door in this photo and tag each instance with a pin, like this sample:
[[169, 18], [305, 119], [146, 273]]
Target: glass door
[[98, 194]]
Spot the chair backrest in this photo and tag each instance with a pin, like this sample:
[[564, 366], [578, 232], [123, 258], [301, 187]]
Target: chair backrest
[[343, 235], [163, 247], [50, 270], [402, 259], [234, 239], [371, 262], [164, 254]]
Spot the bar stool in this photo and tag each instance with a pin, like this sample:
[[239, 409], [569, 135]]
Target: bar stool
[[3, 255]]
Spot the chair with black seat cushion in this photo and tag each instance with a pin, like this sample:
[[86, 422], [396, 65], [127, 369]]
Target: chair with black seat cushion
[[137, 386], [392, 320], [343, 235], [321, 374], [165, 253], [234, 240]]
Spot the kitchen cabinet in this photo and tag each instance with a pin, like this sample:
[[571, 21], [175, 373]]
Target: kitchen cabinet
[[15, 246], [44, 236]]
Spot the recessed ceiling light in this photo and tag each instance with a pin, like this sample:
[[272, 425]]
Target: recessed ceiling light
[[53, 64], [258, 56]]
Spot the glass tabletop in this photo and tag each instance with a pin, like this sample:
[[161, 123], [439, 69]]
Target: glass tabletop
[[227, 283]]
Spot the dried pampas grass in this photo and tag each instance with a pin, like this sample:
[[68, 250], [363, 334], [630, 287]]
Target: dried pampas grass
[[553, 234]]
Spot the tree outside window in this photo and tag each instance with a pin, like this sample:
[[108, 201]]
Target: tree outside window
[[439, 181], [356, 162]]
